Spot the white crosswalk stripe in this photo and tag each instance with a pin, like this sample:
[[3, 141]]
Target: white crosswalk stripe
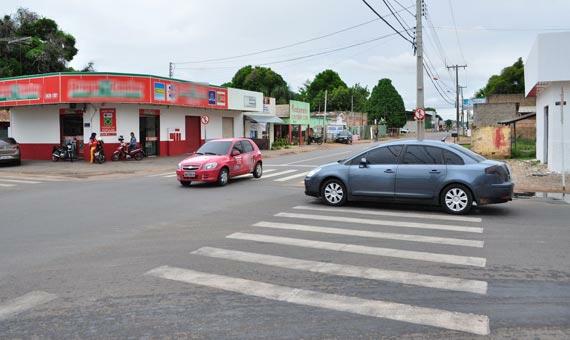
[[18, 181], [269, 170], [169, 176], [23, 303], [365, 250], [472, 323], [382, 222], [161, 174], [282, 179], [35, 178], [372, 234], [279, 173], [391, 213], [422, 280], [3, 185], [359, 222]]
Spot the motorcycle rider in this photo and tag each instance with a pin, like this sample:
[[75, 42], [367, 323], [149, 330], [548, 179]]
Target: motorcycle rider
[[126, 148]]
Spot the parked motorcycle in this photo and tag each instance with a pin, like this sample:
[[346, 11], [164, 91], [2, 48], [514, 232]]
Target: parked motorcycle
[[313, 139], [123, 152], [62, 152], [99, 154]]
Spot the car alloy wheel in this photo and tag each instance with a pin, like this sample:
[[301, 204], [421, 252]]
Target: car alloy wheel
[[258, 172], [223, 177], [457, 199], [334, 193]]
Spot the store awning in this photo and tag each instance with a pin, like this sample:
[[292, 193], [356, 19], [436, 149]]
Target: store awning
[[263, 119]]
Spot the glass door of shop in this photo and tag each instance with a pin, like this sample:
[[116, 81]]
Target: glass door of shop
[[71, 132], [150, 134]]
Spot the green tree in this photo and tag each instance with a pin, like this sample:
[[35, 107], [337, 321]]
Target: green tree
[[385, 102], [46, 49], [510, 80], [360, 97], [262, 79], [448, 123], [338, 96]]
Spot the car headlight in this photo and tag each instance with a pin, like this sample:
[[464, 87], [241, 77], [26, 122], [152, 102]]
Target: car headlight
[[313, 172], [210, 166], [179, 166]]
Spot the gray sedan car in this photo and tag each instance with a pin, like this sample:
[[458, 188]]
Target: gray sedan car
[[431, 172]]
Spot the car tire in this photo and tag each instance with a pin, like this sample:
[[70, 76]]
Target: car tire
[[258, 170], [333, 193], [223, 177], [456, 199], [185, 183]]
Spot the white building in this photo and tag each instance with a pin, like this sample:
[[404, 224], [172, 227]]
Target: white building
[[547, 74]]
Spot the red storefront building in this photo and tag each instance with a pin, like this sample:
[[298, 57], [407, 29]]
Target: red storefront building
[[168, 116]]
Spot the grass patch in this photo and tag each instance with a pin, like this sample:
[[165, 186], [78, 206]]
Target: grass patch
[[467, 146], [524, 149]]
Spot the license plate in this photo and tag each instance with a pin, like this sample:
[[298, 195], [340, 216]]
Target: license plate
[[5, 157], [189, 173]]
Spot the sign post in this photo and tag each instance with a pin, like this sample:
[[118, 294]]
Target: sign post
[[205, 120], [561, 103]]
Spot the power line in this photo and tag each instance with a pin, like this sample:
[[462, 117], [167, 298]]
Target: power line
[[444, 97], [406, 27], [304, 56], [406, 8], [388, 23], [506, 29], [456, 33], [285, 46]]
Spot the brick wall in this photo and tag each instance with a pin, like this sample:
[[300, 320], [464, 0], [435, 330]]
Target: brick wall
[[511, 98], [489, 114]]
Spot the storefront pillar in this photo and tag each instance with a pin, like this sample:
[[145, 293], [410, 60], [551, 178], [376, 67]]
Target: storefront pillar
[[300, 135], [290, 134]]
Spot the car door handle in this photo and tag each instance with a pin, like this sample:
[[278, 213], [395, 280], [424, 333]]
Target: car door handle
[[435, 172], [389, 171]]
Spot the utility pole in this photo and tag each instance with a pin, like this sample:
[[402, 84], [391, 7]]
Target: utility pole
[[352, 107], [420, 126], [457, 67], [170, 69], [462, 110], [325, 119], [562, 102]]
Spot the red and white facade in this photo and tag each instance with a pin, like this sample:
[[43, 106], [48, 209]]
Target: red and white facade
[[166, 115]]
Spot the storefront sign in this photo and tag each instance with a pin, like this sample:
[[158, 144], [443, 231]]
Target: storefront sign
[[149, 112], [108, 122], [299, 113], [249, 101], [109, 88]]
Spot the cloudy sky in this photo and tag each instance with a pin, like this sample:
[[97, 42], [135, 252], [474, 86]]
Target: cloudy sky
[[144, 36]]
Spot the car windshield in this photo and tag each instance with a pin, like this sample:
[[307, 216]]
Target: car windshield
[[475, 156], [214, 148]]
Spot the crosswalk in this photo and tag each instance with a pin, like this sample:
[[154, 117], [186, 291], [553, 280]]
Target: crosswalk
[[293, 176], [384, 238], [11, 308], [15, 181]]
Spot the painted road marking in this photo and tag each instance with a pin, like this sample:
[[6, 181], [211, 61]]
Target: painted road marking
[[357, 249], [319, 157], [283, 179], [169, 176], [43, 179], [162, 174], [391, 213], [269, 170], [383, 223], [23, 303], [7, 185], [18, 181], [279, 173], [372, 234], [472, 323], [421, 280]]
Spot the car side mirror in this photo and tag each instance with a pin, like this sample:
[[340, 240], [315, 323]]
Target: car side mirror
[[235, 152], [363, 162]]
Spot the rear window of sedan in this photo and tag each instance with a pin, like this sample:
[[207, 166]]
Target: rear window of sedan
[[474, 156]]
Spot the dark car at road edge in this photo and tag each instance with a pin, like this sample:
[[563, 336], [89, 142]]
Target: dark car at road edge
[[10, 151], [429, 172]]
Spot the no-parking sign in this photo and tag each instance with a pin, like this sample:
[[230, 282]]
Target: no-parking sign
[[205, 119], [419, 114]]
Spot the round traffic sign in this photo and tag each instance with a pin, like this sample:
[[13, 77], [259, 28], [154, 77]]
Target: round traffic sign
[[419, 114], [205, 119]]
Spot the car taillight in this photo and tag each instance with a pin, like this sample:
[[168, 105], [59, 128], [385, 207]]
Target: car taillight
[[499, 171]]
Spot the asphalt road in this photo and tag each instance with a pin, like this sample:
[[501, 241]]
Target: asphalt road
[[145, 257]]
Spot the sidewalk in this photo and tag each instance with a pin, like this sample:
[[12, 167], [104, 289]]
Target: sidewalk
[[148, 166]]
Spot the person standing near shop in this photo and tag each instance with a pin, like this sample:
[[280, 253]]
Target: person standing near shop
[[92, 146], [133, 142]]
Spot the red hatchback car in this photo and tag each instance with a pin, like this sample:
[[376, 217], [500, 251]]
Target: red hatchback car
[[218, 160]]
